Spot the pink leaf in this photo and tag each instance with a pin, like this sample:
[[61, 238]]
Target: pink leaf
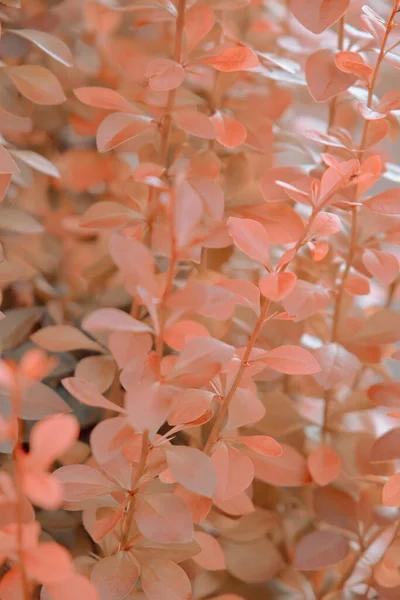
[[240, 58], [292, 360], [192, 469], [211, 556], [115, 576], [391, 491], [164, 74], [54, 47], [324, 79], [230, 132], [195, 123], [37, 84], [189, 405], [51, 437], [165, 579], [48, 563], [251, 238], [276, 286], [385, 267], [163, 518], [262, 444], [63, 338], [81, 482], [338, 366], [198, 23], [115, 319], [324, 465], [118, 128], [235, 471], [287, 470], [200, 360], [103, 98], [87, 393], [318, 15], [148, 405], [320, 549], [386, 203]]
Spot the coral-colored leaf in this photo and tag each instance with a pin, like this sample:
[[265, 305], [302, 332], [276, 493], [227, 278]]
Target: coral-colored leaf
[[163, 518], [63, 338], [276, 286], [115, 576], [164, 579], [251, 238], [103, 98], [37, 84], [164, 74], [240, 58], [292, 360], [118, 128], [320, 549], [324, 465], [230, 132], [318, 15], [53, 46], [192, 469], [324, 79], [87, 393]]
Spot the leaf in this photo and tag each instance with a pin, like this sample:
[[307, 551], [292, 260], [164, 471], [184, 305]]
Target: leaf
[[192, 469], [195, 123], [156, 518], [37, 84], [163, 579], [13, 219], [324, 224], [200, 360], [188, 211], [211, 556], [235, 471], [81, 482], [49, 563], [276, 286], [240, 58], [101, 97], [251, 238], [115, 576], [385, 394], [385, 267], [338, 366], [189, 405], [87, 393], [114, 319], [7, 164], [164, 74], [108, 214], [98, 370], [324, 79], [63, 338], [148, 405], [254, 562], [324, 465], [305, 300], [386, 203], [229, 132], [37, 162], [319, 550], [291, 360], [54, 47], [51, 437], [391, 491], [386, 447], [336, 508], [199, 20], [39, 401], [318, 15], [262, 444], [118, 128], [287, 470]]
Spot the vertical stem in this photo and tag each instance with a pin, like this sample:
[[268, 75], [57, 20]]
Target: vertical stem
[[135, 479], [353, 241], [216, 428]]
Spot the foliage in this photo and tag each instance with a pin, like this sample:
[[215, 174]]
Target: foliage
[[200, 232]]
